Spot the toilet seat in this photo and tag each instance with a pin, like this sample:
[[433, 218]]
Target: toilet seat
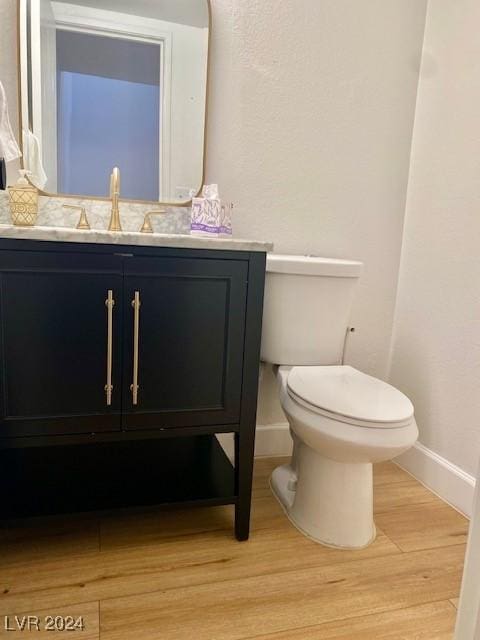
[[347, 395]]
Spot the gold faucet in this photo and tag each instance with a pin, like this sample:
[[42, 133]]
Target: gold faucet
[[147, 222], [83, 222], [115, 224]]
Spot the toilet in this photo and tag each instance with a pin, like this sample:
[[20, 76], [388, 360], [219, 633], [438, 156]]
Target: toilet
[[341, 420]]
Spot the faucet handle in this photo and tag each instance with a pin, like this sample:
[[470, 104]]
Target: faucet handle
[[147, 222], [83, 221]]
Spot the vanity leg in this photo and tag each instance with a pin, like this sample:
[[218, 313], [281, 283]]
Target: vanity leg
[[244, 450], [245, 438]]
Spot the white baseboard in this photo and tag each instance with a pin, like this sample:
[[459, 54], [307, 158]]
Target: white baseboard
[[439, 475], [271, 440]]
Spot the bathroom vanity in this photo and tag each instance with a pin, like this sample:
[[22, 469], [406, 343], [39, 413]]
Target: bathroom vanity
[[119, 365], [123, 355]]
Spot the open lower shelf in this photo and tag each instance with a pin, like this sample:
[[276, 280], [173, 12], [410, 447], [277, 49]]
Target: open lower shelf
[[112, 475]]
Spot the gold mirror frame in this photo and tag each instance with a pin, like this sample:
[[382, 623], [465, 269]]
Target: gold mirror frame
[[186, 203]]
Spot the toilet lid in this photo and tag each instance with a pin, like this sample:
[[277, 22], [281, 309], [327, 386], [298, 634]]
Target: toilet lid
[[350, 393]]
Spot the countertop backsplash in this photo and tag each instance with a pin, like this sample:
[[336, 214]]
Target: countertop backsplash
[[52, 214]]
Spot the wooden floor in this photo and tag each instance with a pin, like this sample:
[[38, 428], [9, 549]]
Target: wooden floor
[[182, 575]]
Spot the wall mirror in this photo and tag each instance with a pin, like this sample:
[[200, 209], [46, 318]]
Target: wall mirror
[[109, 83]]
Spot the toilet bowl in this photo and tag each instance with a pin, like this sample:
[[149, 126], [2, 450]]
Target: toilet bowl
[[341, 420]]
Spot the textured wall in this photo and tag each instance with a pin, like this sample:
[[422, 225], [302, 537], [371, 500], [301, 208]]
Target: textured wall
[[311, 116], [311, 113], [436, 351]]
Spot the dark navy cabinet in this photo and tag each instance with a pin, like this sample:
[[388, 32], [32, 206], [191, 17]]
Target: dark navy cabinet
[[191, 333], [53, 342], [121, 358]]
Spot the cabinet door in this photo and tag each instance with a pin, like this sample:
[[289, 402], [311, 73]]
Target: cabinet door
[[54, 336], [187, 344]]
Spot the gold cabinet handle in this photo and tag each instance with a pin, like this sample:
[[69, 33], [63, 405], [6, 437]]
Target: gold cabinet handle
[[136, 334], [109, 302]]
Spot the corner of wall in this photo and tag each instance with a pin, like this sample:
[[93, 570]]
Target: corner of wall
[[407, 193]]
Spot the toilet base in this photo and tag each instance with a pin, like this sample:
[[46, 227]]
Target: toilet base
[[332, 503]]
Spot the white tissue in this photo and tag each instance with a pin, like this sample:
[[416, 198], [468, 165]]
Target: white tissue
[[9, 149], [33, 159], [210, 191]]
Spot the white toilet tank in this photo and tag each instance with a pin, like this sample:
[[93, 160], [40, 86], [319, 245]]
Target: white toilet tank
[[306, 310]]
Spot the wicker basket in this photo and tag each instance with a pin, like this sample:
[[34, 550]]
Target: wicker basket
[[23, 199]]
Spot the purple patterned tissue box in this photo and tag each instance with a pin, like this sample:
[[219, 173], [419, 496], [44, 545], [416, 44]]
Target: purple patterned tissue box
[[205, 216], [226, 220]]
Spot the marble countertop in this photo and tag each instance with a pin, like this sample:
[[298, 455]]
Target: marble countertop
[[64, 234]]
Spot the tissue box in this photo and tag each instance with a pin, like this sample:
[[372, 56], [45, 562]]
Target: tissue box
[[226, 220], [205, 216]]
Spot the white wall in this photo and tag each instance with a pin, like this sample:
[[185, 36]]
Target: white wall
[[436, 347], [310, 124]]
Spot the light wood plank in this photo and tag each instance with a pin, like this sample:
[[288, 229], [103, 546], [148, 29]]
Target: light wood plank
[[157, 565], [265, 466], [50, 537], [190, 560], [401, 494], [435, 621], [396, 489], [157, 525], [455, 602], [388, 472], [424, 526], [244, 608], [263, 470], [88, 612]]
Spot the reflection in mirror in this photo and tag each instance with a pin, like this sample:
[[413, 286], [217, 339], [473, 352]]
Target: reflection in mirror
[[108, 83]]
